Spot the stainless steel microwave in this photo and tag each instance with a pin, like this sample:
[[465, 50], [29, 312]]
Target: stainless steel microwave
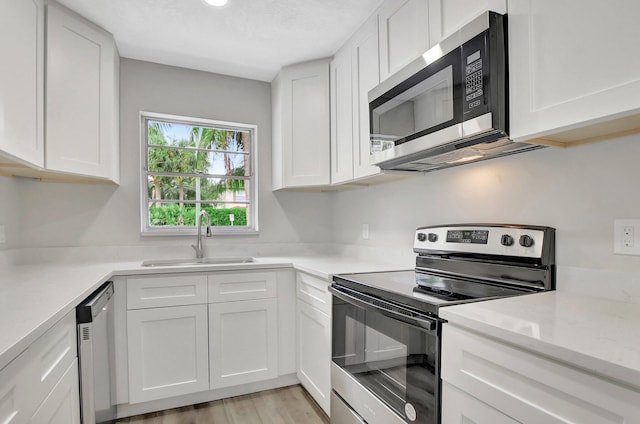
[[449, 106]]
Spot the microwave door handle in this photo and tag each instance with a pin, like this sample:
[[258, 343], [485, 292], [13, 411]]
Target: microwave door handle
[[421, 322]]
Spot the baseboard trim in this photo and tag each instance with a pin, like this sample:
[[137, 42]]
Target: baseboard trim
[[128, 410]]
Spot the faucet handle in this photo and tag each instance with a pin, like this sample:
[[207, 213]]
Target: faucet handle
[[209, 231]]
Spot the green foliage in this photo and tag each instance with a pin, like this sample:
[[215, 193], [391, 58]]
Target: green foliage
[[176, 215], [181, 156]]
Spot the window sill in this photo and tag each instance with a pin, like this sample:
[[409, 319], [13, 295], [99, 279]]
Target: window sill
[[192, 232]]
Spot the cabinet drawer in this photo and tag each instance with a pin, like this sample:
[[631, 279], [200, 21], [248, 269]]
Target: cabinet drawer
[[175, 290], [313, 291], [529, 387], [29, 378], [460, 407], [230, 287], [16, 402], [51, 355], [62, 405]]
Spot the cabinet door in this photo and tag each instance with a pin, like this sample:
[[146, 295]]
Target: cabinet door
[[460, 407], [447, 16], [243, 341], [365, 65], [168, 352], [314, 353], [304, 92], [341, 117], [82, 133], [62, 406], [566, 72], [22, 79], [403, 32]]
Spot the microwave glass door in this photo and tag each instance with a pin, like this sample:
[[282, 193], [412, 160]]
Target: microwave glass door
[[427, 102], [394, 360]]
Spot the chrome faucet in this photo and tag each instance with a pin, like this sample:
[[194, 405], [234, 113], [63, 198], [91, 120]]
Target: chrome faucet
[[198, 247]]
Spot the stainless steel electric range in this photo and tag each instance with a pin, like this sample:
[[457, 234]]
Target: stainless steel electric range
[[386, 326]]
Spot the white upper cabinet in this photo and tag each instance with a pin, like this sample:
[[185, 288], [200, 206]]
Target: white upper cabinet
[[341, 117], [572, 64], [446, 16], [301, 140], [82, 97], [366, 75], [22, 79], [403, 32]]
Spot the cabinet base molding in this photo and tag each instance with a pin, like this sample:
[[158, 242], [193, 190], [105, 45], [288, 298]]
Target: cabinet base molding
[[128, 410]]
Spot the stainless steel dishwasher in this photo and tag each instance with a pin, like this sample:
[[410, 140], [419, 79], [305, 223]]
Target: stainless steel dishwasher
[[96, 356]]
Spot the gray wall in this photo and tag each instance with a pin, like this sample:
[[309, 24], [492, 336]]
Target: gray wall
[[579, 191], [9, 207], [98, 215]]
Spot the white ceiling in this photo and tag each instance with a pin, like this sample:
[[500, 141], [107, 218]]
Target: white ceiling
[[247, 38]]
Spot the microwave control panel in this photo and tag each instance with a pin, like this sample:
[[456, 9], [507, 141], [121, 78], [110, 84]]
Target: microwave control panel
[[475, 70]]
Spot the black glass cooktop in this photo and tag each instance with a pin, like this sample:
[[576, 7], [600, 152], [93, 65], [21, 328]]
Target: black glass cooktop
[[423, 291]]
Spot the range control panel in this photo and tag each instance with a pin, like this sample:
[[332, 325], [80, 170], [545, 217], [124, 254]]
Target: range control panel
[[488, 240]]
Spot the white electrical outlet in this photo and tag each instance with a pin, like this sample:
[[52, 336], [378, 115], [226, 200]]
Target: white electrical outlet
[[365, 231], [624, 236], [627, 236]]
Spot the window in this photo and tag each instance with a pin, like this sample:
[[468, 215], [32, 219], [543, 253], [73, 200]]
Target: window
[[191, 165]]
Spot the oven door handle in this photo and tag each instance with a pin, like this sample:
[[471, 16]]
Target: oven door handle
[[423, 322]]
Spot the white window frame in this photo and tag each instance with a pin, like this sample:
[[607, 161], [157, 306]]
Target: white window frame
[[148, 230]]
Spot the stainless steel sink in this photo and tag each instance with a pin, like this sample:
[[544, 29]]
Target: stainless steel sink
[[199, 261]]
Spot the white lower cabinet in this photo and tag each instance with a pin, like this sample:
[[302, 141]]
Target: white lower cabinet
[[314, 353], [62, 406], [314, 337], [243, 342], [168, 352], [485, 380], [41, 384], [460, 407], [187, 338]]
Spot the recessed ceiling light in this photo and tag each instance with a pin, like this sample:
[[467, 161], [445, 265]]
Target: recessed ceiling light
[[215, 3]]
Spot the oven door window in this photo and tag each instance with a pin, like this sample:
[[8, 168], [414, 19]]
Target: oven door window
[[394, 360]]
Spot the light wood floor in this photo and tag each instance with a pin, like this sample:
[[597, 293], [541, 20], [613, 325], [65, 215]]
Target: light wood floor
[[278, 406]]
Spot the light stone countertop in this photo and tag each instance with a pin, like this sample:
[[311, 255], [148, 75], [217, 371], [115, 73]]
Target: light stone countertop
[[34, 297], [595, 334], [598, 335]]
